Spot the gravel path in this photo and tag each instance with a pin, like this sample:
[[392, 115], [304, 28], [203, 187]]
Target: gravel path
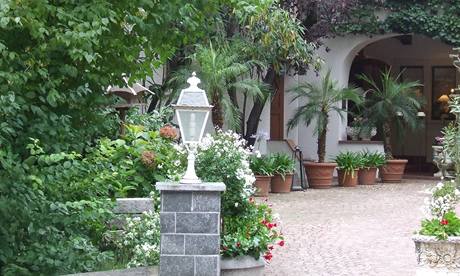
[[349, 231]]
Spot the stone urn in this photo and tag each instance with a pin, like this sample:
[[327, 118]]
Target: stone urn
[[437, 257], [242, 266]]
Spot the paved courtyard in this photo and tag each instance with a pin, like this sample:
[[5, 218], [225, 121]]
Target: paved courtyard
[[349, 231]]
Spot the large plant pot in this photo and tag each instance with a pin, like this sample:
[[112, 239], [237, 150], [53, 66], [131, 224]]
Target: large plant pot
[[435, 257], [393, 170], [367, 176], [242, 266], [347, 179], [262, 185], [319, 175], [280, 185]]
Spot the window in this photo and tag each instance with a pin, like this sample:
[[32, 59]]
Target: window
[[444, 79]]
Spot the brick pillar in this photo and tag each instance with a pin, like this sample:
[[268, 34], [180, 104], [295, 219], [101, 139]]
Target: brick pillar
[[190, 229]]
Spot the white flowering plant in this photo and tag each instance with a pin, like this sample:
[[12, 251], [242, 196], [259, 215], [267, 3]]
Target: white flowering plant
[[225, 157], [441, 220], [139, 243]]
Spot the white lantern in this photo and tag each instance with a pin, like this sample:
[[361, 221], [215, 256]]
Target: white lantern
[[192, 112]]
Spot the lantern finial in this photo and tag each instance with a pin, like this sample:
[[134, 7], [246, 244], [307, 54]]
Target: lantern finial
[[193, 81]]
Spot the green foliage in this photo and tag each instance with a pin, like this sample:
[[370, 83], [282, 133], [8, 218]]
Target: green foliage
[[283, 164], [349, 162], [372, 159], [392, 102], [264, 165], [45, 228], [433, 18], [449, 226], [320, 101], [251, 233]]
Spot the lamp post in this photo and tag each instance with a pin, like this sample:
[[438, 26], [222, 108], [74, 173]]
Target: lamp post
[[192, 112]]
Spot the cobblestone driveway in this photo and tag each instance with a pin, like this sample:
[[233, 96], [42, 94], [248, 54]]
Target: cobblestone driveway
[[349, 231]]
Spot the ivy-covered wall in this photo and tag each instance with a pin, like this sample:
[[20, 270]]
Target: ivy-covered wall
[[439, 19]]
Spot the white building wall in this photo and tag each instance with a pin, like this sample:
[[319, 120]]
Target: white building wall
[[339, 59]]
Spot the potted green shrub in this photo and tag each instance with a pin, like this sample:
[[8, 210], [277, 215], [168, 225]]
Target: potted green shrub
[[392, 103], [283, 171], [367, 174], [321, 100], [263, 168], [348, 164]]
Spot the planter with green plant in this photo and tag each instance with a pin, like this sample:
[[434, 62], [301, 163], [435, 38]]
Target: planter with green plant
[[389, 103], [348, 164], [283, 171], [367, 174], [321, 101], [263, 168]]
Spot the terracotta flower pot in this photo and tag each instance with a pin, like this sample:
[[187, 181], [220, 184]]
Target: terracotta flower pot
[[393, 170], [319, 175], [367, 176], [280, 185], [262, 185], [348, 179]]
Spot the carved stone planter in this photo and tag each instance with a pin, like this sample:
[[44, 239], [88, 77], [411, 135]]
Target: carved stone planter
[[437, 257], [242, 266], [137, 271]]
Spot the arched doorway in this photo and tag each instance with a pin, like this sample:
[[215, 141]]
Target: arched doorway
[[419, 58]]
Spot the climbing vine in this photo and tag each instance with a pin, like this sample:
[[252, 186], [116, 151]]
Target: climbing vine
[[434, 18]]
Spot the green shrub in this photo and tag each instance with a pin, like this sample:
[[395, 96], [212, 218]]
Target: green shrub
[[372, 159], [349, 162], [283, 164], [263, 165]]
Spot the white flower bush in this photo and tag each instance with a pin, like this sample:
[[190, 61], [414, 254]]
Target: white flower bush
[[140, 240], [444, 197], [224, 157]]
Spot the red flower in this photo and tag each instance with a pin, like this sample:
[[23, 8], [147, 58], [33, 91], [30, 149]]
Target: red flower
[[268, 256], [238, 244], [281, 243], [444, 222], [270, 247], [224, 248], [270, 225], [251, 200]]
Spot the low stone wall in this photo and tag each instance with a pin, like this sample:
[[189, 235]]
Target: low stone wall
[[133, 205], [137, 271], [437, 257], [242, 266]]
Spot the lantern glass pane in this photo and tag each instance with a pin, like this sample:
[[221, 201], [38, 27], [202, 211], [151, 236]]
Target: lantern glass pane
[[192, 122], [195, 98]]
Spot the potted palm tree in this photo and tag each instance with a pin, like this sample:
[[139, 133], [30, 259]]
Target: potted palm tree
[[321, 100], [392, 103]]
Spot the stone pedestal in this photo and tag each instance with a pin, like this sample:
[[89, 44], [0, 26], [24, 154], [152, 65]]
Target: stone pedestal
[[190, 229]]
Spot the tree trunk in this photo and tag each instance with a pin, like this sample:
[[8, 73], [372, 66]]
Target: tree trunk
[[387, 140], [234, 100], [322, 144], [217, 116], [254, 116]]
